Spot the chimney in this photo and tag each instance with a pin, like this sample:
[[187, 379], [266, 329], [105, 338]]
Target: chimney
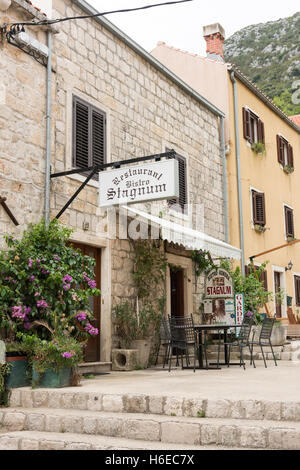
[[214, 35]]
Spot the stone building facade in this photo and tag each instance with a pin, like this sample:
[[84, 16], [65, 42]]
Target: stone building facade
[[147, 111]]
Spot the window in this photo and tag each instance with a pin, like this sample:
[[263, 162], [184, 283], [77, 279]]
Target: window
[[259, 208], [89, 135], [254, 129], [182, 200], [297, 290], [284, 152], [263, 277], [289, 222]]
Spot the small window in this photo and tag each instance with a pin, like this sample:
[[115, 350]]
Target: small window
[[179, 203], [259, 208], [289, 222], [285, 152], [254, 129], [263, 277], [89, 135], [297, 290]]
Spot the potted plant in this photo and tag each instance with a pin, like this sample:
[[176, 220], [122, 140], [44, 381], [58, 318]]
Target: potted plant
[[260, 228], [258, 148], [55, 361], [288, 169], [135, 328], [46, 287], [16, 356]]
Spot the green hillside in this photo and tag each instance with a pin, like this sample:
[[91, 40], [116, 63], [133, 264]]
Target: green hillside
[[269, 54]]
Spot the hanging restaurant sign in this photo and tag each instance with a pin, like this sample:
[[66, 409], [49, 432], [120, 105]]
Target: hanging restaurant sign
[[139, 183], [218, 285]]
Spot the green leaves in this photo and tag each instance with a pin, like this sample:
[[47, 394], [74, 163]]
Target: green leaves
[[34, 273]]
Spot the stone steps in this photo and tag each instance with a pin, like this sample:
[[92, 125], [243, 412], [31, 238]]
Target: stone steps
[[157, 428], [34, 440], [152, 404], [46, 419]]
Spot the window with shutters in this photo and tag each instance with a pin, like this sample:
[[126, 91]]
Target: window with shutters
[[258, 208], [179, 204], [89, 135], [263, 277], [285, 152], [289, 222], [254, 129], [297, 290]]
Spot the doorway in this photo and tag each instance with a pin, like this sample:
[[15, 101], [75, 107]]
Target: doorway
[[92, 351], [277, 285], [177, 293]]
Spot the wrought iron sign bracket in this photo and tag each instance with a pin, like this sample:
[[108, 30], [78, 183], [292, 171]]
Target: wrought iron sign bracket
[[94, 169], [8, 211]]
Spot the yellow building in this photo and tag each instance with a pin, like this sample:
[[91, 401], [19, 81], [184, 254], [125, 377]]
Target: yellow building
[[263, 167]]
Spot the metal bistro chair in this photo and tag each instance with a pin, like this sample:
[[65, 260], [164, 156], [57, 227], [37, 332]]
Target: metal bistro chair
[[184, 338], [264, 339], [242, 341], [165, 339]]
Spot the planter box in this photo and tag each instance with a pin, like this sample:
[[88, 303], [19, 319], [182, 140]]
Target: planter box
[[143, 347], [18, 376], [51, 378], [278, 337]]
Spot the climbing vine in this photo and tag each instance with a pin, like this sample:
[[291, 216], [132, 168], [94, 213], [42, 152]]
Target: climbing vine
[[150, 267], [4, 392], [202, 261]]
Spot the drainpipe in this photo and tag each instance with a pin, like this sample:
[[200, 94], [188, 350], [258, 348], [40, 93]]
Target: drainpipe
[[225, 185], [48, 132], [238, 165]]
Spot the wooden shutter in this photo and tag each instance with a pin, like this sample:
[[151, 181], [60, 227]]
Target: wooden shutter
[[80, 134], [182, 200], [98, 124], [260, 131], [297, 290], [247, 271], [289, 222], [246, 123], [264, 280], [280, 149], [290, 155], [89, 135], [259, 208]]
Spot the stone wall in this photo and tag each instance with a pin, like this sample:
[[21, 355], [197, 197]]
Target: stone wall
[[146, 113], [22, 132]]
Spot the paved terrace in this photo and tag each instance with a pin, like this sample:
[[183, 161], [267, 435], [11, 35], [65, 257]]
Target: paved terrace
[[280, 383]]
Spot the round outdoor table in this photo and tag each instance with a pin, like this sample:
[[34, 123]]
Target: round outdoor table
[[225, 328]]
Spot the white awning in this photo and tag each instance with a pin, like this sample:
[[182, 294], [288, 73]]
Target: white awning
[[189, 238]]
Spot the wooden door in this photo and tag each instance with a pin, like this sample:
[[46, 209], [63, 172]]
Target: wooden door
[[92, 352], [177, 293], [277, 282]]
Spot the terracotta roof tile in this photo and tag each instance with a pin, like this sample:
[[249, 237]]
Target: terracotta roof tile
[[296, 119], [38, 9]]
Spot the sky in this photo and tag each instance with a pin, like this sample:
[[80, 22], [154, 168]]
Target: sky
[[181, 25]]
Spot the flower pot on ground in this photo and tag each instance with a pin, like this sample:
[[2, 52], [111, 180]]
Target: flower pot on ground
[[51, 378], [143, 347], [54, 362], [135, 326], [19, 375]]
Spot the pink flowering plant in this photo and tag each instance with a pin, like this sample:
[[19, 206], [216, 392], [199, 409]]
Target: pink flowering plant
[[46, 286]]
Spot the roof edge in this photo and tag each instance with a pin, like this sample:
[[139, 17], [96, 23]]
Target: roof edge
[[262, 96], [148, 57]]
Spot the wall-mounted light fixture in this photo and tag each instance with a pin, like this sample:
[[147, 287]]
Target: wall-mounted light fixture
[[289, 266]]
